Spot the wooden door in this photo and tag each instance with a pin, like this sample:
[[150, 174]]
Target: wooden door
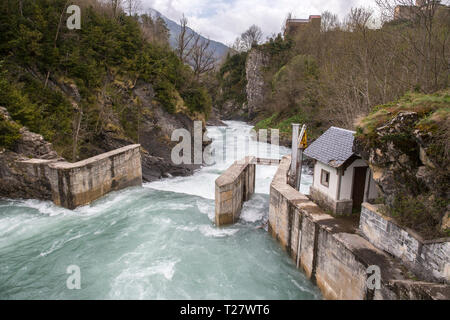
[[359, 185]]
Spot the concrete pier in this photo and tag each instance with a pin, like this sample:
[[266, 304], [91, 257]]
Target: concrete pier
[[233, 188], [77, 184]]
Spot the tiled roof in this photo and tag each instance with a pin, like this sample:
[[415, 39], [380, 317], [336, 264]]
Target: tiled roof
[[333, 148]]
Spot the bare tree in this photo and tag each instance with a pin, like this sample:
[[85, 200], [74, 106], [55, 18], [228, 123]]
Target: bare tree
[[330, 21], [132, 6], [427, 41], [288, 17], [154, 29], [116, 6], [202, 58], [251, 37], [237, 45], [407, 9], [184, 40]]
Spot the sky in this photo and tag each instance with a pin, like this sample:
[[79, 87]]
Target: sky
[[224, 20]]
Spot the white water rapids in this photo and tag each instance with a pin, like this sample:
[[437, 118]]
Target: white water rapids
[[158, 241]]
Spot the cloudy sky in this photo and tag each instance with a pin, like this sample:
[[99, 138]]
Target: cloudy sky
[[224, 20]]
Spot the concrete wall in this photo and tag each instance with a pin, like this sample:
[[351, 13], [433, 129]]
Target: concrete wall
[[233, 187], [430, 259], [76, 184], [331, 253]]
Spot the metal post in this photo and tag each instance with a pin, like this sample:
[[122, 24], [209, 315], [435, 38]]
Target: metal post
[[300, 166], [293, 175], [300, 159]]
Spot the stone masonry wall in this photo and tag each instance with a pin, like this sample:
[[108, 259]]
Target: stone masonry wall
[[76, 184], [233, 188], [330, 252], [429, 259], [341, 207]]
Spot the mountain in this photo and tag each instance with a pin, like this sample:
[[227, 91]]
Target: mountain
[[89, 92], [219, 48]]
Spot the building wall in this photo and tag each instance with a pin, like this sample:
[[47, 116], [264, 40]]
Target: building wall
[[294, 26], [346, 181], [405, 12], [332, 188]]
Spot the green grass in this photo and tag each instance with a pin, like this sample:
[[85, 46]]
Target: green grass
[[418, 203], [283, 122], [431, 109]]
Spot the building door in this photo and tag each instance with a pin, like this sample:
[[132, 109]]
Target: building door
[[359, 184]]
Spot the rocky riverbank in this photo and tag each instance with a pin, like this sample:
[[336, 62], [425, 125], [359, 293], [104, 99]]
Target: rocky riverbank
[[155, 132]]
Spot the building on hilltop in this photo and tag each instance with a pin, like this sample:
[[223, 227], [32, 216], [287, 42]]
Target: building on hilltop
[[409, 12], [342, 181], [295, 25]]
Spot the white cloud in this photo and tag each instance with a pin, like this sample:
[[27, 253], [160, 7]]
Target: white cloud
[[224, 20]]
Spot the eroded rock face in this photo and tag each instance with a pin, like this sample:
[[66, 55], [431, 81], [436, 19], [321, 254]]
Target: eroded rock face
[[31, 144], [214, 118], [155, 137], [256, 86], [15, 181], [155, 131], [389, 162], [403, 160]]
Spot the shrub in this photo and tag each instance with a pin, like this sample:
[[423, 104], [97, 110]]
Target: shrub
[[9, 133], [197, 99], [423, 213]]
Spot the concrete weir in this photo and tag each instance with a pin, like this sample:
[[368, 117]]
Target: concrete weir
[[77, 184], [333, 254], [233, 188]]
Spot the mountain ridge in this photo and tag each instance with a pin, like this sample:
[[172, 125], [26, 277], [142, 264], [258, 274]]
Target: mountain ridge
[[219, 48]]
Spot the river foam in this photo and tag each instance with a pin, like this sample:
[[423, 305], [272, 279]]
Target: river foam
[[158, 241]]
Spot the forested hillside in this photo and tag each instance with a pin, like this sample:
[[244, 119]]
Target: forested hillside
[[113, 82], [336, 75]]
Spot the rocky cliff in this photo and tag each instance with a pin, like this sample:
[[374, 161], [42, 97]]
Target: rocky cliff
[[257, 60], [229, 95], [154, 135], [153, 131], [14, 180], [407, 147]]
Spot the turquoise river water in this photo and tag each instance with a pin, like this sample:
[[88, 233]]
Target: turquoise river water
[[157, 241]]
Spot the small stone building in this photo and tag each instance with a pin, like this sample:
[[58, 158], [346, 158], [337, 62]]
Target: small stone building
[[342, 180]]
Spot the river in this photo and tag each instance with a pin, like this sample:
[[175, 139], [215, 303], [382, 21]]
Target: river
[[157, 241]]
